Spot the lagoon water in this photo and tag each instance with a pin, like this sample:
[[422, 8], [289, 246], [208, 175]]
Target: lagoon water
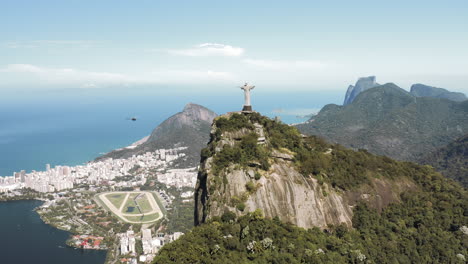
[[26, 239]]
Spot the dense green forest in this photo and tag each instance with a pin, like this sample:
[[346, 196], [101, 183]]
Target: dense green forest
[[332, 163], [426, 227], [387, 120], [429, 225], [451, 160]]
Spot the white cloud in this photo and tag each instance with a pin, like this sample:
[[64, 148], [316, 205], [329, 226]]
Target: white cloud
[[92, 79], [209, 49], [190, 76], [66, 75], [285, 65], [89, 85]]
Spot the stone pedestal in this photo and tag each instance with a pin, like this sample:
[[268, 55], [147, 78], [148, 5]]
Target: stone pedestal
[[247, 108]]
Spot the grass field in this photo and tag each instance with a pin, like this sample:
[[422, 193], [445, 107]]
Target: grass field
[[144, 204], [146, 208], [160, 204], [116, 198], [145, 218], [130, 206]]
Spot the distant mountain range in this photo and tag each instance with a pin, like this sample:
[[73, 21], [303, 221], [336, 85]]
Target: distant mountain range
[[451, 160], [189, 128], [421, 90], [418, 90], [388, 120]]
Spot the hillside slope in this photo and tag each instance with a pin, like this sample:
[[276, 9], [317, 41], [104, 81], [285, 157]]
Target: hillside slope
[[451, 160], [260, 179], [387, 120], [253, 162], [189, 128]]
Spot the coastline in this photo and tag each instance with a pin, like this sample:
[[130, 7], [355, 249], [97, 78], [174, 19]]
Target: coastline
[[46, 221], [75, 210], [43, 242]]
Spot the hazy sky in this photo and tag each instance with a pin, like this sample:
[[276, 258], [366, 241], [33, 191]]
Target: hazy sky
[[299, 45]]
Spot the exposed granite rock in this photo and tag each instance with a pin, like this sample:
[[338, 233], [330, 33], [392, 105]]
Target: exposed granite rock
[[282, 191], [421, 90], [364, 83], [281, 155]]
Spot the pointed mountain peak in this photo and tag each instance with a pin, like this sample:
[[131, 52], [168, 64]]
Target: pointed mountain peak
[[362, 84]]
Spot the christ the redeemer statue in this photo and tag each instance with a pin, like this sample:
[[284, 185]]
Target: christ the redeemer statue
[[247, 88]]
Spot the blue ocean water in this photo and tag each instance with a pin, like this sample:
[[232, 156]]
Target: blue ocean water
[[70, 132], [71, 128]]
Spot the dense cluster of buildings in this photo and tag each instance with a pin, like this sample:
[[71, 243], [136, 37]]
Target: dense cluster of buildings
[[103, 173], [87, 242], [50, 180], [9, 183], [150, 244], [135, 247], [100, 172], [179, 177], [127, 242]]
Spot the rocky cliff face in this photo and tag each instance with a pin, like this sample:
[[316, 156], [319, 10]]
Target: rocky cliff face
[[364, 83], [281, 192], [243, 183], [421, 90]]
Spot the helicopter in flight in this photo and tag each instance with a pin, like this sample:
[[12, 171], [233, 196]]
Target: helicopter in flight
[[134, 118]]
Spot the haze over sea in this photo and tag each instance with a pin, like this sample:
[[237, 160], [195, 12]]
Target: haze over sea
[[73, 127]]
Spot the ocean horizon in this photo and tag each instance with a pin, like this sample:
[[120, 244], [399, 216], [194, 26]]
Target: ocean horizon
[[75, 128]]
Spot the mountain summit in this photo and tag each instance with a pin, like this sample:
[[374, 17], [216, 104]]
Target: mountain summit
[[421, 90], [253, 162], [189, 128], [387, 120], [191, 118], [363, 83], [418, 90], [260, 181]]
